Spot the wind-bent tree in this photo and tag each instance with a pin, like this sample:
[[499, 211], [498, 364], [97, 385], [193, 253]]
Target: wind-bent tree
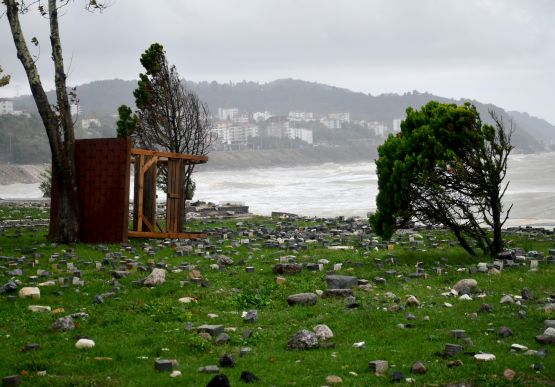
[[169, 117], [4, 79], [445, 168], [55, 117]]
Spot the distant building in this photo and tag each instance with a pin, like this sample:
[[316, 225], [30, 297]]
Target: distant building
[[397, 125], [331, 123], [301, 116], [343, 117], [262, 116], [277, 127], [227, 114], [6, 106], [236, 134], [76, 110], [379, 128], [300, 134], [86, 124]]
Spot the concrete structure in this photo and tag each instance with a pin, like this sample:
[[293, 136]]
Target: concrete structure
[[300, 134], [227, 114], [262, 116], [397, 125], [301, 116], [343, 117]]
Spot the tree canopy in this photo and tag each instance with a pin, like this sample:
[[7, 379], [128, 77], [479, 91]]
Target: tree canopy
[[445, 168], [4, 79]]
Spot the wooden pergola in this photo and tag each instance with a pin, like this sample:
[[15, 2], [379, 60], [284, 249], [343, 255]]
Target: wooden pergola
[[144, 204]]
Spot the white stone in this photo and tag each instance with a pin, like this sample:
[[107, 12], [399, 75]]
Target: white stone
[[447, 305], [84, 343], [29, 292], [360, 344], [549, 331], [47, 283], [175, 374], [518, 347], [323, 332], [465, 297], [484, 357], [187, 300], [39, 308], [157, 277]]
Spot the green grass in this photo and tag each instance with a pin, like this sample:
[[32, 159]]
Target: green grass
[[150, 322]]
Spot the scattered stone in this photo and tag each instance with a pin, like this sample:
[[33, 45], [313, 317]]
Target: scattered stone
[[219, 381], [518, 348], [397, 377], [504, 332], [224, 261], [484, 357], [213, 330], [302, 299], [509, 374], [506, 299], [526, 294], [222, 338], [331, 293], [31, 347], [341, 282], [303, 339], [11, 381], [248, 377], [466, 286], [418, 368], [412, 301], [64, 324], [209, 369], [186, 300], [227, 361], [465, 297], [84, 343], [379, 367], [156, 277], [32, 292], [250, 316], [455, 363], [333, 379], [323, 332], [39, 308], [163, 365], [287, 268], [244, 351], [485, 308], [175, 374], [281, 280], [452, 349]]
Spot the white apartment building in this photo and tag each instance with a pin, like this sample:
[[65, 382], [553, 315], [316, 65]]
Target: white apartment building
[[397, 125], [378, 127], [236, 134], [301, 116], [6, 106], [331, 123], [343, 117], [86, 124], [262, 116], [227, 114], [301, 134]]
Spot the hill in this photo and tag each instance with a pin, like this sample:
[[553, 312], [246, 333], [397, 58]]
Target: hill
[[100, 99]]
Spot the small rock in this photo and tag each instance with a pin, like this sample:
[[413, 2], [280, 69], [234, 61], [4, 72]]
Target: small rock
[[333, 379], [397, 377], [186, 300], [323, 332], [378, 366], [63, 324], [175, 374], [163, 365], [222, 339], [250, 316], [209, 369], [156, 277], [227, 361], [302, 299], [509, 374], [484, 357], [504, 332], [506, 299], [412, 301], [39, 308], [84, 343], [303, 339], [248, 377], [29, 292], [518, 348], [219, 381], [11, 381], [341, 282], [418, 368], [465, 297], [466, 286]]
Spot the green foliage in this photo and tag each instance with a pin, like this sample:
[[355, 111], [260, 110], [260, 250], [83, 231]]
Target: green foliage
[[127, 121], [250, 298], [4, 79], [46, 183], [441, 167]]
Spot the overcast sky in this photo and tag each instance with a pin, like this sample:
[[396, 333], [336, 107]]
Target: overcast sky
[[495, 51]]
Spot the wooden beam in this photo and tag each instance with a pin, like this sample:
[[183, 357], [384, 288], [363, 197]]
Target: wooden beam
[[141, 192], [150, 162], [183, 156], [172, 235]]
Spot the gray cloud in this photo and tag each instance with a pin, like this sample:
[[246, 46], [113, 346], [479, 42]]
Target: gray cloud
[[498, 51]]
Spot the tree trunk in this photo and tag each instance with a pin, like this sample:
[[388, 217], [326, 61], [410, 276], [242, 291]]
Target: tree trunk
[[59, 127]]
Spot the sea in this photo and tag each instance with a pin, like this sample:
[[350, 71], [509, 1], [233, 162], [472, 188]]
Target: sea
[[329, 190]]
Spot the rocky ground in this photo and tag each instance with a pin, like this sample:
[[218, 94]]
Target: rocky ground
[[301, 301], [18, 173]]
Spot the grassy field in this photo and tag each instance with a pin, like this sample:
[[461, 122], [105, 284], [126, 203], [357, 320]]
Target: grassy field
[[140, 324]]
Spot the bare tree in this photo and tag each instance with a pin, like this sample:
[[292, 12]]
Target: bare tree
[[170, 116], [55, 117]]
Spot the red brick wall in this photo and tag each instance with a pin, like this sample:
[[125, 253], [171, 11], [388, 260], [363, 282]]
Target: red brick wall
[[103, 182]]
